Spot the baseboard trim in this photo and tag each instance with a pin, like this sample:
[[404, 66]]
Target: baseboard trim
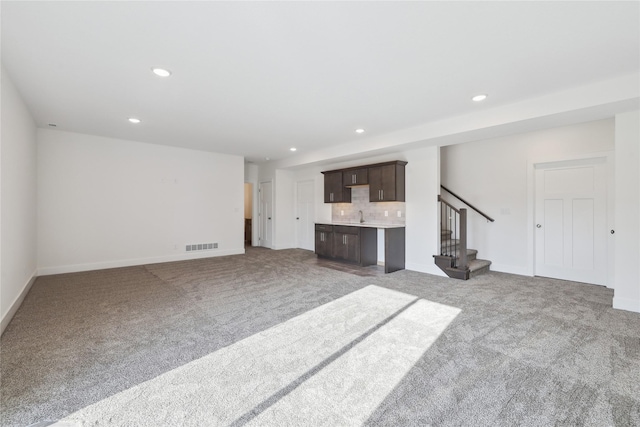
[[281, 247], [17, 303], [627, 304], [47, 271], [425, 268], [510, 269]]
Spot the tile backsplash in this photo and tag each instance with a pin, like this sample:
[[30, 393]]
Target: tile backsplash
[[372, 212]]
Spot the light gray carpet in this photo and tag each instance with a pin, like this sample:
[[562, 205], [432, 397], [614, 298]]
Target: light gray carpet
[[274, 338]]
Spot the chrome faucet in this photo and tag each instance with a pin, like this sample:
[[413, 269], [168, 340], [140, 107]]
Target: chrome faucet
[[361, 217]]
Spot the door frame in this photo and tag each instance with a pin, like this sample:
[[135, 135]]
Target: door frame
[[536, 162], [261, 230]]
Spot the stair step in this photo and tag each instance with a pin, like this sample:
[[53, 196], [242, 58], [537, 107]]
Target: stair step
[[475, 267], [449, 244], [471, 254], [478, 266]]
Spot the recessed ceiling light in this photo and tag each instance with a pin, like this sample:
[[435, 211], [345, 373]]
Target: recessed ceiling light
[[479, 98], [161, 72], [292, 149], [266, 158], [360, 130], [134, 120]]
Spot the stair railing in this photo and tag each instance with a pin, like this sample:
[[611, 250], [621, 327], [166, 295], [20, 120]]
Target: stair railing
[[467, 203], [454, 222]]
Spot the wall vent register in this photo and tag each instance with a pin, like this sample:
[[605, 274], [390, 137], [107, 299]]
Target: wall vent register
[[201, 247]]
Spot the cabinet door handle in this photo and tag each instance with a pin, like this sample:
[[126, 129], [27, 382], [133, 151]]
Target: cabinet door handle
[[381, 194], [354, 179]]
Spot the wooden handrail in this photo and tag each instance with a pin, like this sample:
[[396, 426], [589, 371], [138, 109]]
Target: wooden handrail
[[465, 202]]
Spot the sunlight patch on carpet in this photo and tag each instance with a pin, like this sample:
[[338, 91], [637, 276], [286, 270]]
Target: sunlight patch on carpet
[[332, 365]]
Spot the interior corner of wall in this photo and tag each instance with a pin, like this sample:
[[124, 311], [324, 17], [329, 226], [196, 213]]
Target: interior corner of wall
[[627, 304], [6, 318]]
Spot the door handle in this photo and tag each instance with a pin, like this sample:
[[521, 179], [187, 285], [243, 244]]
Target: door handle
[[538, 225], [269, 218]]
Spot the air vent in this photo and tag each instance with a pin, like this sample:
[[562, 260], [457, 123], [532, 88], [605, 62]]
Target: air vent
[[201, 247]]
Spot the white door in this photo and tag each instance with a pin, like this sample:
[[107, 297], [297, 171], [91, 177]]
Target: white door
[[570, 221], [304, 215], [266, 214]]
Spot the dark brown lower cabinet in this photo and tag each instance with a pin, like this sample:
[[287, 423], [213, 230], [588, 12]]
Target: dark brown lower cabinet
[[358, 245], [324, 240], [346, 244]]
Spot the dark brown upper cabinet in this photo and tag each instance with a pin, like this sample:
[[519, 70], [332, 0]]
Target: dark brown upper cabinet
[[386, 182], [351, 177], [334, 189]]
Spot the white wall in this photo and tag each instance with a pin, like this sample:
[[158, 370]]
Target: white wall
[[496, 176], [18, 260], [627, 212], [105, 202], [423, 230]]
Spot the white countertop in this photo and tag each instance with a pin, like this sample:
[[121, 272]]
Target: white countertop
[[364, 224]]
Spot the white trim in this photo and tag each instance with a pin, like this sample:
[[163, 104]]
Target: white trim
[[609, 157], [281, 247], [626, 304], [510, 269], [46, 271], [424, 268], [261, 232], [17, 303]]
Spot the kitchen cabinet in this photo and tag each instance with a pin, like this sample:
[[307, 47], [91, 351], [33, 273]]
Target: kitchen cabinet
[[352, 177], [346, 243], [387, 182], [334, 190], [358, 245], [324, 240]]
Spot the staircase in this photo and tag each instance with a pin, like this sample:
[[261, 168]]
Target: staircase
[[451, 264], [455, 259]]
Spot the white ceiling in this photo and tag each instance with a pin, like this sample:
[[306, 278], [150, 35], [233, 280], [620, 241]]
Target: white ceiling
[[256, 78]]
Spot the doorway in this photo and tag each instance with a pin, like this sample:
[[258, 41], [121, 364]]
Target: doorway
[[305, 214], [265, 214], [570, 220], [248, 213]]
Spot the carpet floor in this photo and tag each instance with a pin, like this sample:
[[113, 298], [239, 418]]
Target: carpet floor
[[274, 338]]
